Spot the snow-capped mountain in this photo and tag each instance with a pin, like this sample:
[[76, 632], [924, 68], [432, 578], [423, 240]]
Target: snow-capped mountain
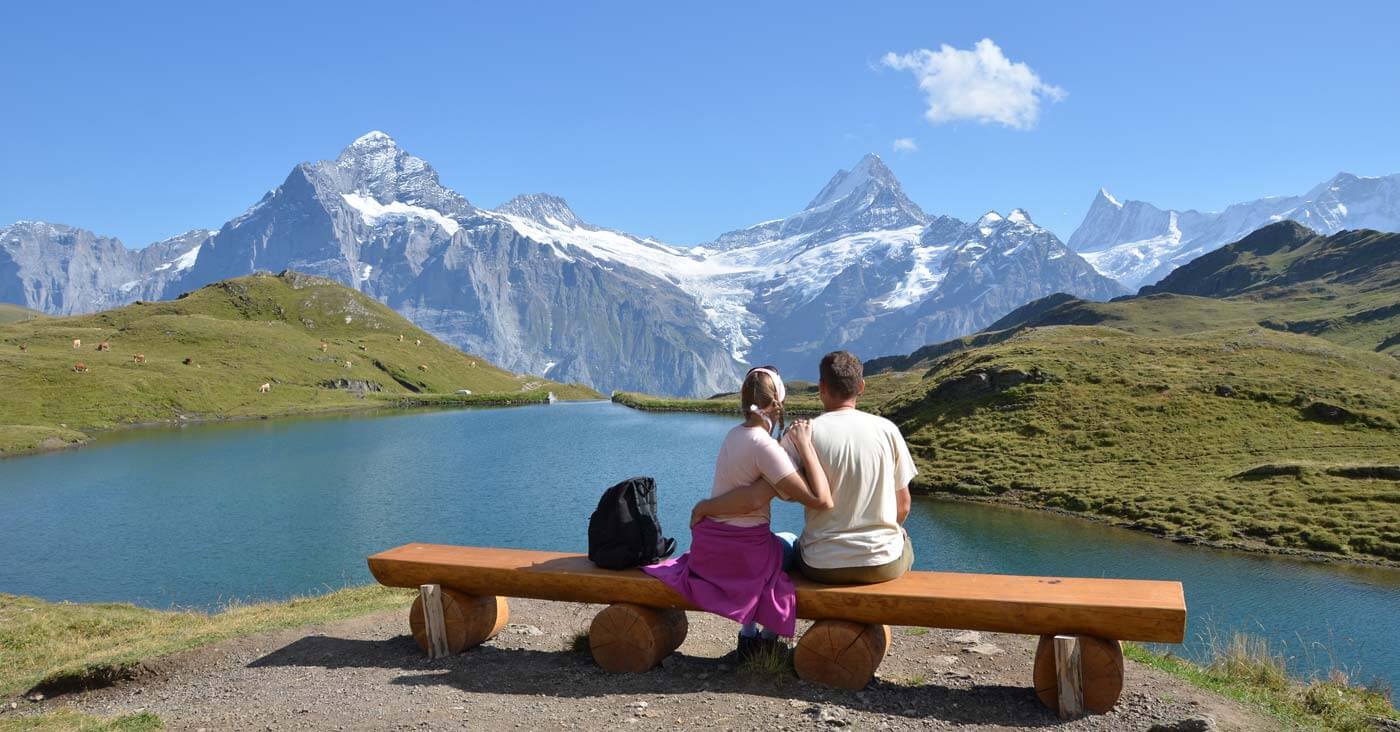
[[64, 270], [1139, 244], [535, 288]]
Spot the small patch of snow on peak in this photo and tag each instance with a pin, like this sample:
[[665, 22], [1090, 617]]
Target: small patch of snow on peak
[[372, 212], [989, 218], [1105, 195], [1018, 216], [373, 137]]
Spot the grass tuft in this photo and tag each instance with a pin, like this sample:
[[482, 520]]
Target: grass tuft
[[60, 647], [68, 720], [1249, 670]]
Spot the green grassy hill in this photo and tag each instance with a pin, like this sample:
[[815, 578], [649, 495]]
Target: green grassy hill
[[237, 335], [1246, 438], [10, 313], [1344, 287]]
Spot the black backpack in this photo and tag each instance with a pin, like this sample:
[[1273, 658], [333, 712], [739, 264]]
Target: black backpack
[[624, 531]]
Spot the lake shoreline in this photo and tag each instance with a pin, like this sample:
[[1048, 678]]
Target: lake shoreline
[[1011, 502], [644, 403], [387, 405]]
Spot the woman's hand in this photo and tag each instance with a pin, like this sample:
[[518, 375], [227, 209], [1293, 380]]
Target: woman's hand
[[698, 513], [801, 431]]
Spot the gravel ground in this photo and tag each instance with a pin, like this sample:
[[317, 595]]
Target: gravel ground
[[369, 674]]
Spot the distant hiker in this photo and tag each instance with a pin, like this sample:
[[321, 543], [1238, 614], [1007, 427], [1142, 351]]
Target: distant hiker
[[77, 343], [265, 388], [861, 540], [735, 566]]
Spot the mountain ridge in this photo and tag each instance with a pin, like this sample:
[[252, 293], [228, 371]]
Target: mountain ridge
[[535, 287]]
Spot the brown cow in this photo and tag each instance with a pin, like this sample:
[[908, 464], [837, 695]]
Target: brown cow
[[422, 367], [80, 367], [104, 346], [188, 361], [324, 345], [77, 343], [139, 358], [23, 348], [265, 388]]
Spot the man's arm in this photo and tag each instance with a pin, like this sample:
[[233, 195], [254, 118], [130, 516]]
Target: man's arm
[[738, 501], [902, 503]]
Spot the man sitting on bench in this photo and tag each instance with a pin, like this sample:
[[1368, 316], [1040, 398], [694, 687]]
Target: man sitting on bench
[[861, 539]]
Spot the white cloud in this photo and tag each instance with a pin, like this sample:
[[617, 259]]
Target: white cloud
[[979, 84], [905, 144]]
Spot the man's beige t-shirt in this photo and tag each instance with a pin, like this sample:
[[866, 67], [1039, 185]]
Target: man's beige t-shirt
[[866, 463]]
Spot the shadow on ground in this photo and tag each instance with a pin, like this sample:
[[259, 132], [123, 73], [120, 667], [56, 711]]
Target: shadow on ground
[[566, 674]]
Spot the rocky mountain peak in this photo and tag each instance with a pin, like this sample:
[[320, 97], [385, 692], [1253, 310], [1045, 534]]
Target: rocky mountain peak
[[376, 167], [870, 172], [542, 208], [1105, 199]]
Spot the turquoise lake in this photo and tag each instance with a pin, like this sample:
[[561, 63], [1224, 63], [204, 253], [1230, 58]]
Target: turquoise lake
[[203, 515]]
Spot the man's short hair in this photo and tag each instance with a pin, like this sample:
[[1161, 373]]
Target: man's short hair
[[842, 373]]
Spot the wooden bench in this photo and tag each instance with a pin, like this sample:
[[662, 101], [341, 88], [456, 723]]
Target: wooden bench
[[1080, 621]]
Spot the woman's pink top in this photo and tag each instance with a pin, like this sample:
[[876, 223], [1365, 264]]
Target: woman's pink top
[[749, 453]]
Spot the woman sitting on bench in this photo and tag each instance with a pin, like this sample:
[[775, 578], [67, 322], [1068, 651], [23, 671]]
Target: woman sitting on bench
[[735, 566]]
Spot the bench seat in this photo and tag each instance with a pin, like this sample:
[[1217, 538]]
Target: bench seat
[[1139, 610]]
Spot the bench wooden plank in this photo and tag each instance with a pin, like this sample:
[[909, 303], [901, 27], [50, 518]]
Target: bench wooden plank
[[1140, 610]]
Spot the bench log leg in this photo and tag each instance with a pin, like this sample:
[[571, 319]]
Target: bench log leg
[[840, 653], [468, 620], [1100, 673], [627, 638]]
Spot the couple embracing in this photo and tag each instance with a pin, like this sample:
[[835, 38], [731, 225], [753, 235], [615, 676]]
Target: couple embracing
[[850, 469]]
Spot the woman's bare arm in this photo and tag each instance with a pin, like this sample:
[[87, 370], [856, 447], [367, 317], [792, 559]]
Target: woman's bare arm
[[734, 503]]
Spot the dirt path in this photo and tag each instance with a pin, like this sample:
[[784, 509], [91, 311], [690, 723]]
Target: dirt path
[[368, 674]]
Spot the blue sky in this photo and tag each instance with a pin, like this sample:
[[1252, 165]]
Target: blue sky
[[144, 120]]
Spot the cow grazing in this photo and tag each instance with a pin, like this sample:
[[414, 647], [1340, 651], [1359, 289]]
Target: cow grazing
[[347, 363], [362, 348], [188, 361], [265, 388], [139, 358], [324, 346], [77, 343], [23, 348], [80, 367], [400, 338], [104, 346], [422, 367], [417, 341]]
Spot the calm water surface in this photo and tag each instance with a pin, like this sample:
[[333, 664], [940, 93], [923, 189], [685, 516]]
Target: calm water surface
[[202, 515]]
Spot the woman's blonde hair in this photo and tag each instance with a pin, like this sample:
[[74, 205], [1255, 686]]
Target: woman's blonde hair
[[760, 391]]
